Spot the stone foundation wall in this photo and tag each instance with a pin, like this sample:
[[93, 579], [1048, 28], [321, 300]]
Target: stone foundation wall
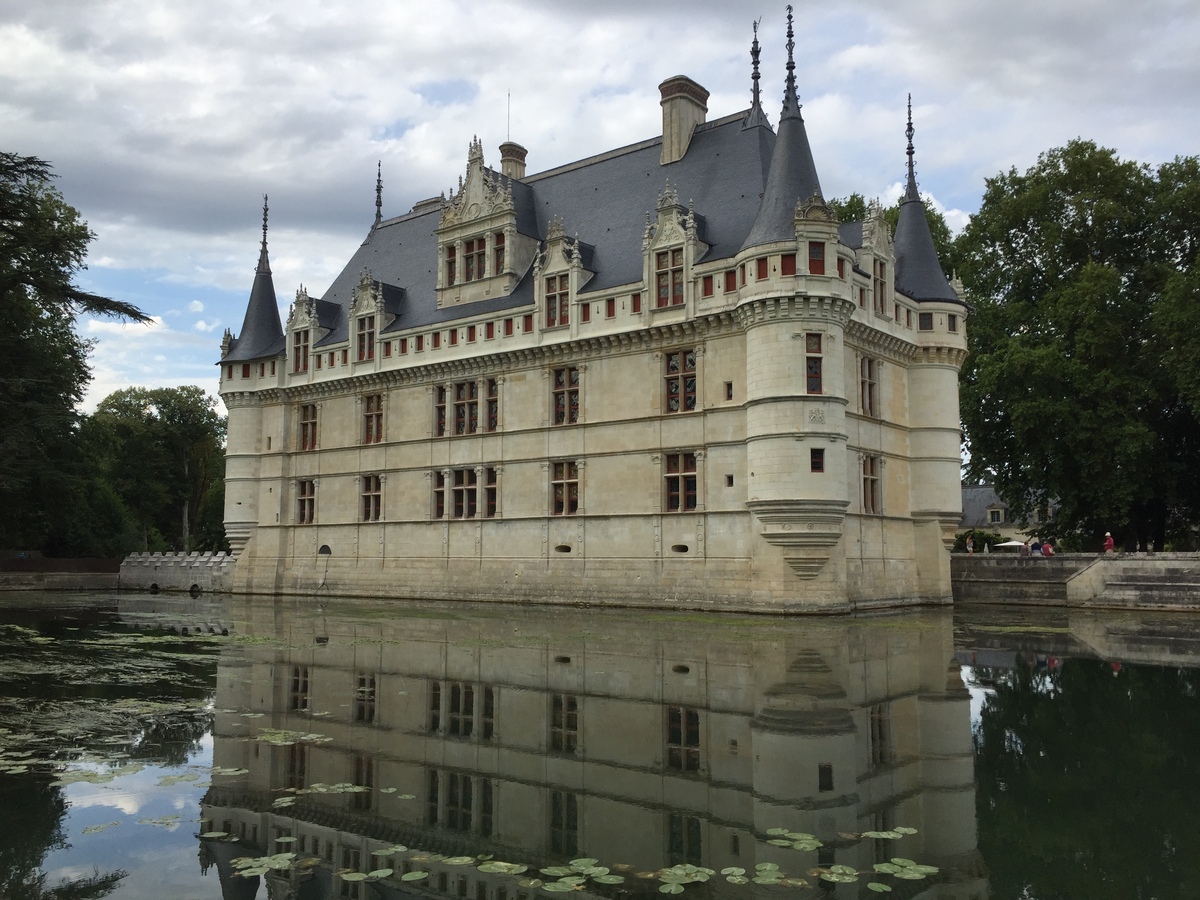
[[187, 572]]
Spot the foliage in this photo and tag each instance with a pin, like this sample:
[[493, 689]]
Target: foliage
[[162, 452], [43, 362], [1082, 270], [1041, 751]]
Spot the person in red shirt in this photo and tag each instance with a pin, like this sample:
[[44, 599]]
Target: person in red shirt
[[1109, 545]]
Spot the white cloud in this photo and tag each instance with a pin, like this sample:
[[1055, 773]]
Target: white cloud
[[201, 325], [166, 124]]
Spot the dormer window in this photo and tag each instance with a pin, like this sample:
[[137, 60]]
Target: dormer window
[[300, 351], [451, 265], [668, 275], [558, 300], [474, 256], [366, 338], [498, 252]]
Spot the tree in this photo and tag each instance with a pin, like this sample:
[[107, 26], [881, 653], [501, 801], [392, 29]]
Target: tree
[[162, 451], [1072, 390], [43, 362]]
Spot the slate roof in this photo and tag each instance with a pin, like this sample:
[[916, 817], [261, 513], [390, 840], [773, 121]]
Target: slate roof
[[919, 274], [604, 199], [743, 181], [793, 176], [262, 332]]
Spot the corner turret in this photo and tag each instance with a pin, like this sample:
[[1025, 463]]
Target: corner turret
[[262, 331], [919, 274], [793, 174]]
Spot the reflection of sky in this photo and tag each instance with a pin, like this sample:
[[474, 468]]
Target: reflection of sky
[[978, 694], [162, 862]]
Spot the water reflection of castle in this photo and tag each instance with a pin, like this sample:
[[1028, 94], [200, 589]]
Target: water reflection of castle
[[643, 740]]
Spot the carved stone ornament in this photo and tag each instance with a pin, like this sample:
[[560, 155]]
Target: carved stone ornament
[[480, 195], [816, 416]]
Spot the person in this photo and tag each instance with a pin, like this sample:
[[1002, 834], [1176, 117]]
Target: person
[[1110, 546], [1025, 549], [970, 545], [1047, 549], [1035, 548]]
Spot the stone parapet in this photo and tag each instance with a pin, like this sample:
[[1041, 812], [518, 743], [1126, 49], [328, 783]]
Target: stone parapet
[[207, 572]]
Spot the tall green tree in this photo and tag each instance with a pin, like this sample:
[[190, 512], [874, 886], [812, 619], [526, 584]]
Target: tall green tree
[[162, 452], [1072, 392], [43, 362]]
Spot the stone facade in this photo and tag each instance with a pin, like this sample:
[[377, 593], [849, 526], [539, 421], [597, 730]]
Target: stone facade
[[628, 380]]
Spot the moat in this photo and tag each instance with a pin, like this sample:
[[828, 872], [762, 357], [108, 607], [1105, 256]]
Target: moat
[[310, 748]]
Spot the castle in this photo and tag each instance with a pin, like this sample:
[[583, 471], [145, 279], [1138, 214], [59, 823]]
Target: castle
[[665, 375]]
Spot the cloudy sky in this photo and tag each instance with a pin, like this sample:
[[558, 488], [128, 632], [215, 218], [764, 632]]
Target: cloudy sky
[[167, 121]]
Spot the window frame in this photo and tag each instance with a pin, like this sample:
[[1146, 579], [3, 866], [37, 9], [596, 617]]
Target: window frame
[[564, 395], [371, 492], [681, 381], [681, 485]]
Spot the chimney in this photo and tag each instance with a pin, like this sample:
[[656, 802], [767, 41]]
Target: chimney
[[512, 160], [684, 104]]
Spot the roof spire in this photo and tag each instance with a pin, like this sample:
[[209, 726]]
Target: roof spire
[[918, 271], [378, 194], [262, 331], [755, 115], [264, 265], [911, 193], [792, 176], [791, 103]]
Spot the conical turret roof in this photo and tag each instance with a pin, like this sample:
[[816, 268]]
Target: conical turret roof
[[793, 174], [262, 330], [919, 274]]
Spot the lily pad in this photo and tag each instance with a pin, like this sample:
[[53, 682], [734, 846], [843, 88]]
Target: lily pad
[[583, 862], [670, 888], [609, 879], [353, 876], [737, 879], [901, 861], [777, 831], [879, 887], [904, 829], [557, 887], [460, 861], [557, 871], [910, 874], [733, 870], [256, 870], [380, 873], [414, 876], [780, 842]]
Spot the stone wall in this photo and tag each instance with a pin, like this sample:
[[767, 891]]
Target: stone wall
[[206, 572], [1135, 581]]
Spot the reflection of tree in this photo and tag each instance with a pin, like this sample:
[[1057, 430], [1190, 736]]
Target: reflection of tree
[[1087, 783], [31, 814], [89, 887]]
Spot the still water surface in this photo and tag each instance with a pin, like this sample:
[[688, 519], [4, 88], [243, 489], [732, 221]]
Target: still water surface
[[172, 748]]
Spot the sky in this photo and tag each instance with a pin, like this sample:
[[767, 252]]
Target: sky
[[166, 122]]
